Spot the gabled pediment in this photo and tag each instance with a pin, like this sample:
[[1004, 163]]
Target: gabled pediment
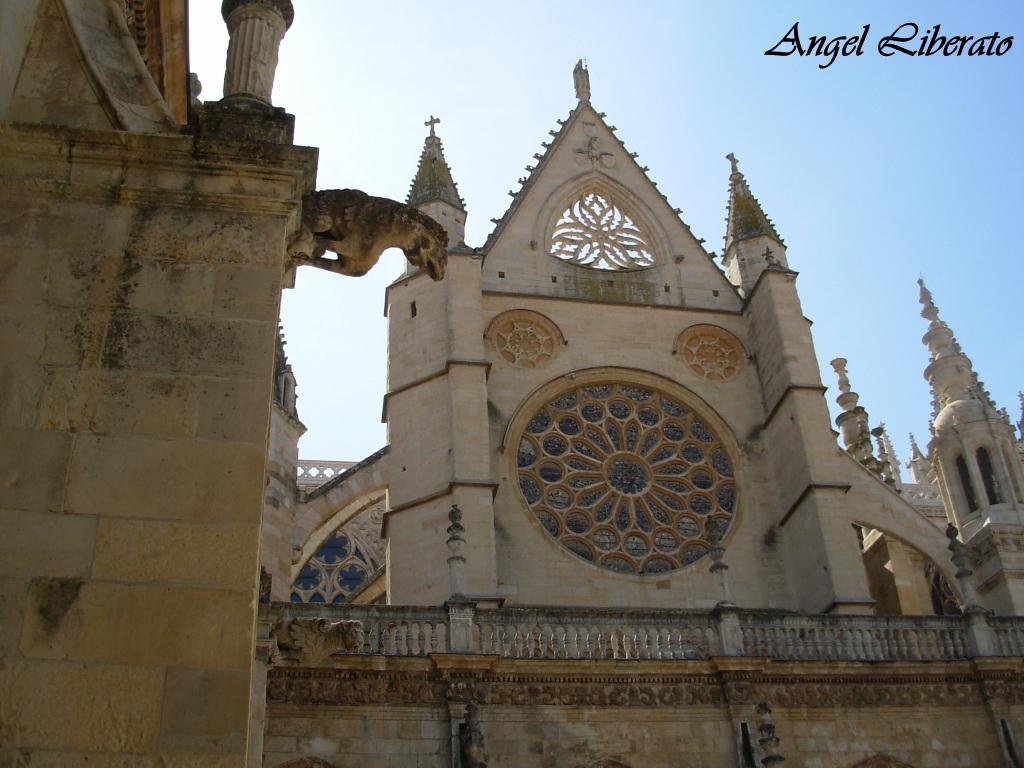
[[589, 214]]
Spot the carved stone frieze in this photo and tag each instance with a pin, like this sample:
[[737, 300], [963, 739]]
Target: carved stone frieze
[[348, 687], [352, 688], [601, 694], [881, 691]]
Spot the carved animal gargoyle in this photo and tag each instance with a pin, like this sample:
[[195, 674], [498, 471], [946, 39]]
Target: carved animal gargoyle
[[358, 228], [318, 639]]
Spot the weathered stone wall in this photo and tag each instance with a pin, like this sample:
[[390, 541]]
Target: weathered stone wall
[[658, 714], [140, 280]]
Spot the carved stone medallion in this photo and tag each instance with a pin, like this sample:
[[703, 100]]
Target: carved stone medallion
[[523, 338], [711, 352]]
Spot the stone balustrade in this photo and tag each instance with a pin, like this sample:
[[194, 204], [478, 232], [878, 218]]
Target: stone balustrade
[[854, 638], [568, 633], [312, 474]]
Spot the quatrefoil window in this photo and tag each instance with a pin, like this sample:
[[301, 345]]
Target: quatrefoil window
[[595, 232]]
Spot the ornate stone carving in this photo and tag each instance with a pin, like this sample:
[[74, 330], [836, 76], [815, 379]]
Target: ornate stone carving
[[523, 338], [358, 228], [643, 693], [626, 477], [711, 352], [343, 688], [595, 232], [918, 691], [318, 639], [348, 687]]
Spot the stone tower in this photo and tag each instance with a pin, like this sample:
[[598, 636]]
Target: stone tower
[[974, 452]]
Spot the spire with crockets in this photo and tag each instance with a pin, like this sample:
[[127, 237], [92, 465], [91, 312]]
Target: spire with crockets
[[434, 191], [752, 244]]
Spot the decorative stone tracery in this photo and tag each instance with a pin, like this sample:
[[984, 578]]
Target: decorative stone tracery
[[625, 476], [711, 352], [523, 338], [339, 567], [595, 231]]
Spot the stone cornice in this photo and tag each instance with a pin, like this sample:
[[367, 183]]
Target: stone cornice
[[154, 169]]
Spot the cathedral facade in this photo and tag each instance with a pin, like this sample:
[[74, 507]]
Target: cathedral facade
[[612, 526]]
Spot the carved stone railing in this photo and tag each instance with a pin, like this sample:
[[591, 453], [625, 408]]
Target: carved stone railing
[[532, 633], [621, 634], [854, 638], [1008, 634], [312, 474]]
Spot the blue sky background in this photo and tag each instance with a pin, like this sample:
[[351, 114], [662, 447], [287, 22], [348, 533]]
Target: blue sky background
[[875, 170]]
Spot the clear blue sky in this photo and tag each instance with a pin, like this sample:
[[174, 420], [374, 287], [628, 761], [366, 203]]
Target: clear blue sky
[[875, 170]]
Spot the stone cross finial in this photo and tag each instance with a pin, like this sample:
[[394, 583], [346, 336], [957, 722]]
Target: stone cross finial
[[581, 81], [431, 123], [733, 162], [255, 29], [456, 560]]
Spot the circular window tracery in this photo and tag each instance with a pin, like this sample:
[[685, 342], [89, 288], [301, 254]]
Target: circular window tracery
[[711, 352], [626, 477], [523, 338]]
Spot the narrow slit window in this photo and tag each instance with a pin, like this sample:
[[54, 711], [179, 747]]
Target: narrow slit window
[[988, 478], [412, 309], [965, 482]]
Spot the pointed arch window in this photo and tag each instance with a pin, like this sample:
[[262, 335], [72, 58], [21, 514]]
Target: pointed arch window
[[988, 478], [595, 231], [337, 569], [965, 483]]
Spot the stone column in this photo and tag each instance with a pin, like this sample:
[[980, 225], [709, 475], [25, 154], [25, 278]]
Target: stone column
[[256, 28]]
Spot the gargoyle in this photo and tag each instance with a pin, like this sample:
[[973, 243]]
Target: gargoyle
[[318, 639], [358, 228]]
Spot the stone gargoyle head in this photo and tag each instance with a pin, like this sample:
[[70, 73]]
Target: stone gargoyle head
[[358, 228]]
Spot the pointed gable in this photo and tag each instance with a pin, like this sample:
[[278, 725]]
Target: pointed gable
[[589, 223]]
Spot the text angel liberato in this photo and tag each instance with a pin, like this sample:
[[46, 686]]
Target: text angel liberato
[[904, 40]]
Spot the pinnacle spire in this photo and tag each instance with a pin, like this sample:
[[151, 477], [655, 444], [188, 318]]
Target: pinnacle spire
[[433, 181], [928, 309], [746, 219]]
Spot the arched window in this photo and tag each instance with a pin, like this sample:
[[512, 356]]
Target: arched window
[[965, 483], [988, 479], [337, 569]]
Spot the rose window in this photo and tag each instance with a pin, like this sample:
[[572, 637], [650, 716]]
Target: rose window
[[626, 476], [595, 232]]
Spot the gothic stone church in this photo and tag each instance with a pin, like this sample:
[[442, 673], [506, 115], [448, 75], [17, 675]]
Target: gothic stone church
[[612, 525]]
